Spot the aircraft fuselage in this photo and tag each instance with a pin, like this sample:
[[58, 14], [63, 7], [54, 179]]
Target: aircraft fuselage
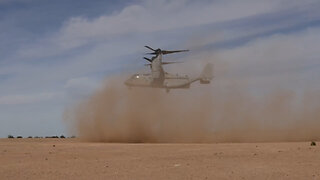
[[169, 81], [158, 78]]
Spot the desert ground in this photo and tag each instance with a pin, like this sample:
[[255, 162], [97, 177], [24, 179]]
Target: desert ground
[[75, 159]]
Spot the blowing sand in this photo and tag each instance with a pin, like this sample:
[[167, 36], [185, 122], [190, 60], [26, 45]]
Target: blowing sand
[[72, 159], [197, 115]]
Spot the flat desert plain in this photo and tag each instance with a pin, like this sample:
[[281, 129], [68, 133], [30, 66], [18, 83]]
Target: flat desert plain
[[74, 159]]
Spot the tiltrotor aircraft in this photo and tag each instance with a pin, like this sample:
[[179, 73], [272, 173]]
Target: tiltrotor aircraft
[[158, 78]]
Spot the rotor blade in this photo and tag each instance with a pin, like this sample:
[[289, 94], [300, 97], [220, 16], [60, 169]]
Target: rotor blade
[[147, 59], [149, 48], [169, 52], [164, 63], [153, 53]]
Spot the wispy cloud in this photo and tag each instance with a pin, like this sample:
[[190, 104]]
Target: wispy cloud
[[26, 99]]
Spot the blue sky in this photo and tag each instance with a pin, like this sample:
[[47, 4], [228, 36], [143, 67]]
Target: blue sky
[[54, 53]]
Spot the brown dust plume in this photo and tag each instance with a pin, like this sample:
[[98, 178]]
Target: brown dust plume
[[199, 115]]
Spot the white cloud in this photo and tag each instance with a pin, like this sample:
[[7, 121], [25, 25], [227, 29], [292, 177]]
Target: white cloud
[[153, 17], [147, 17], [25, 99], [157, 16], [281, 60], [80, 82], [285, 49]]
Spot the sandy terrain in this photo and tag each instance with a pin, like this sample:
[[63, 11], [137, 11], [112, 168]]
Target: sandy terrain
[[72, 159]]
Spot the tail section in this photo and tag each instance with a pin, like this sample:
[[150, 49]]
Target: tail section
[[207, 74]]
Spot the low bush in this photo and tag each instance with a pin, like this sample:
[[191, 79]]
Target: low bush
[[10, 136], [52, 137]]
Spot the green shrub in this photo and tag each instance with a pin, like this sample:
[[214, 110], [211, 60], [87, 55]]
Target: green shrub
[[52, 137], [10, 136]]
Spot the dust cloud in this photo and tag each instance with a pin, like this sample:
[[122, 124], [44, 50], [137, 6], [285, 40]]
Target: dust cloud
[[201, 114]]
